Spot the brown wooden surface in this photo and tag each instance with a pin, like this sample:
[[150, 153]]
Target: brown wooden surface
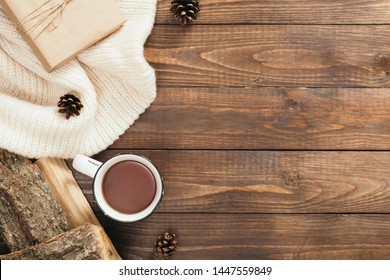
[[264, 118], [258, 236], [271, 130], [271, 55], [285, 12], [269, 182]]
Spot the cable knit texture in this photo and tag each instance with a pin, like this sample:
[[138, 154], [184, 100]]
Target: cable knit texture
[[113, 79]]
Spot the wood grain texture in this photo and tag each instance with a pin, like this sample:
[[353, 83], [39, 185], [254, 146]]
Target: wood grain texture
[[285, 12], [274, 55], [268, 182], [69, 195], [266, 75], [67, 192], [263, 118], [256, 236], [87, 242]]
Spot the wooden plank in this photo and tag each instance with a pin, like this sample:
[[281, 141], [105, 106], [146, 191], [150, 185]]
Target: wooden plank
[[285, 12], [263, 118], [274, 55], [256, 236], [268, 182]]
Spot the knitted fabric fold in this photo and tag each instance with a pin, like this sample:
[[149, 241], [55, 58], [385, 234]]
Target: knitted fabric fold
[[112, 78]]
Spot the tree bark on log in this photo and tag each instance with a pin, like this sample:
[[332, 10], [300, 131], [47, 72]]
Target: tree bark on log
[[29, 214], [88, 242]]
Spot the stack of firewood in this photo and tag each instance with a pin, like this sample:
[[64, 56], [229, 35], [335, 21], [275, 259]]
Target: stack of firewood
[[32, 222]]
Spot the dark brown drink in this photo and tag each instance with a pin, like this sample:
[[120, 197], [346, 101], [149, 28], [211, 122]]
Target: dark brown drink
[[129, 187]]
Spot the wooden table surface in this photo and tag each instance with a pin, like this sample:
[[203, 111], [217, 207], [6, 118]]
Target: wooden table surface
[[271, 129]]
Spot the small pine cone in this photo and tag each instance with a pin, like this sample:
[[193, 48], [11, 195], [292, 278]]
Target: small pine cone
[[185, 11], [69, 105], [165, 246]]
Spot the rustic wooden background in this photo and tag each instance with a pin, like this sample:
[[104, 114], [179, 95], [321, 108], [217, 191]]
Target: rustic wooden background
[[271, 129]]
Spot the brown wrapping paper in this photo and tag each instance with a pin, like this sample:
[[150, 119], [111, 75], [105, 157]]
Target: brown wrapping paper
[[80, 24]]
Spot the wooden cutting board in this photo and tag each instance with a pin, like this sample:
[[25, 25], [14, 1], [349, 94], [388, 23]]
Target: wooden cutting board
[[68, 193]]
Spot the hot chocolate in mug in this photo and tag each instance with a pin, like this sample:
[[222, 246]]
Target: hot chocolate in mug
[[127, 187]]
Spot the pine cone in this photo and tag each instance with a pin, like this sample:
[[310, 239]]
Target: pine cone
[[185, 11], [165, 246], [70, 105]]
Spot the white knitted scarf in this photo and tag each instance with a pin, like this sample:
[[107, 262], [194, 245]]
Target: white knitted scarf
[[114, 82]]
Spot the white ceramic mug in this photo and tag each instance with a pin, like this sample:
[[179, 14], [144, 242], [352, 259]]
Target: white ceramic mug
[[97, 171]]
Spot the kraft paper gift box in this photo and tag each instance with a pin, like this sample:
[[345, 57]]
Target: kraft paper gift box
[[58, 30]]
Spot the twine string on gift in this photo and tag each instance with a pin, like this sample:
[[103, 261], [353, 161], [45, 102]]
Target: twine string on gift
[[45, 17]]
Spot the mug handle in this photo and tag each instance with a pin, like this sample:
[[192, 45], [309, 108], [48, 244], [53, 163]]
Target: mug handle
[[86, 165]]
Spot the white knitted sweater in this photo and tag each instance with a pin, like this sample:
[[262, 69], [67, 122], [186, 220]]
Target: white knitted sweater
[[114, 82]]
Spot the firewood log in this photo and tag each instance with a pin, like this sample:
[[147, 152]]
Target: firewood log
[[68, 194], [88, 242], [28, 212]]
